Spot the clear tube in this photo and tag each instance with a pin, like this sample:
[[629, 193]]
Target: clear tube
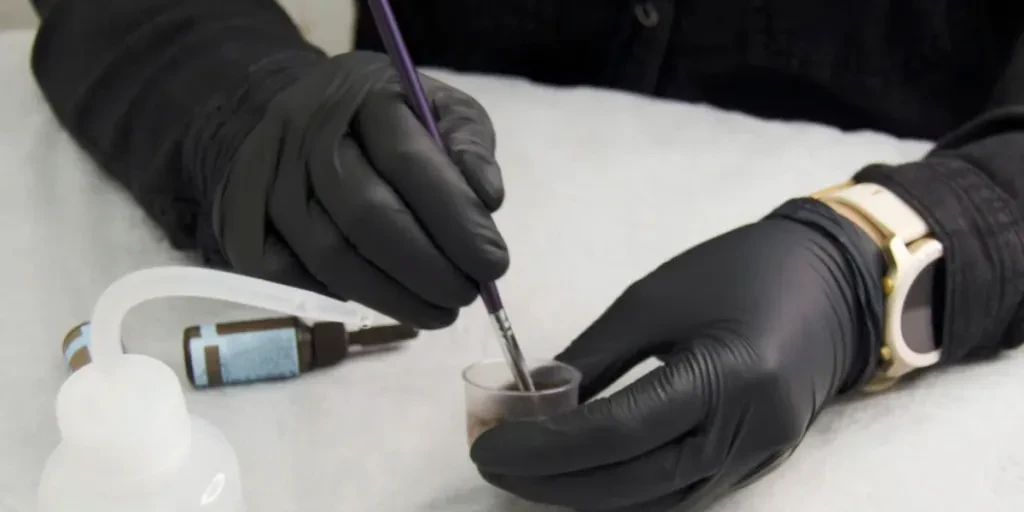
[[180, 281]]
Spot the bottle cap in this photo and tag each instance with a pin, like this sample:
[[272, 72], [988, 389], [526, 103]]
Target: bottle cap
[[126, 419], [330, 343]]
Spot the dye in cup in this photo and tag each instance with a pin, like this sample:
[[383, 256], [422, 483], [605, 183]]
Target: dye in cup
[[493, 397]]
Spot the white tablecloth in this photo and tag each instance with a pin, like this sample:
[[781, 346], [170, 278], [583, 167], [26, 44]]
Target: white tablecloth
[[602, 186]]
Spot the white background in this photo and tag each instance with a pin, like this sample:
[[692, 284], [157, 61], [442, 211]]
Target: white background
[[16, 14]]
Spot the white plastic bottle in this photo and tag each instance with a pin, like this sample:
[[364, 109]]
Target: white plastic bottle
[[130, 445], [128, 442]]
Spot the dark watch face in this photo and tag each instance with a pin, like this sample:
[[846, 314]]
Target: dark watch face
[[919, 329]]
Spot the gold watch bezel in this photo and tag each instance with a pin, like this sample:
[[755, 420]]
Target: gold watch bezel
[[905, 264]]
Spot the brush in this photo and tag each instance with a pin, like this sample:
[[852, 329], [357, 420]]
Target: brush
[[390, 34]]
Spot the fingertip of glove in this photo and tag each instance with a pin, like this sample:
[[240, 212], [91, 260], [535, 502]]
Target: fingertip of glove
[[439, 320], [492, 189], [494, 263], [487, 452], [515, 448], [483, 174]]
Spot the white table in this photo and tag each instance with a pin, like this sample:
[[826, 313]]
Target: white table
[[601, 187]]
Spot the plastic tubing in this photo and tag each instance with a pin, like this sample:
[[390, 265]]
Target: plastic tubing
[[181, 281]]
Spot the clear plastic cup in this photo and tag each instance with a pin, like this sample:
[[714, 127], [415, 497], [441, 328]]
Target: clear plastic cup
[[493, 397]]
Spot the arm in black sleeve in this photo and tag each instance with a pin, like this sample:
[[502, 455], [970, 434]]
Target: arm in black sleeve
[[970, 189], [158, 91]]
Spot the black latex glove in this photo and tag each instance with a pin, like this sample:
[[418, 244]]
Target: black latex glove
[[341, 190], [757, 330]]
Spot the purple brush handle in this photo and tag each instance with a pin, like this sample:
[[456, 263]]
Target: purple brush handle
[[387, 26]]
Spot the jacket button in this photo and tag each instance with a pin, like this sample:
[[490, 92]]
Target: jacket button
[[647, 14]]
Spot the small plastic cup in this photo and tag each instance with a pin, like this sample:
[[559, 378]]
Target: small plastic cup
[[493, 397]]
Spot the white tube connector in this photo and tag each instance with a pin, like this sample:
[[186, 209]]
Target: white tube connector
[[176, 281]]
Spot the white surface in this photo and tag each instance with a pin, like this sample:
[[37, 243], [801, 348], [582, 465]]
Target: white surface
[[17, 14], [601, 188]]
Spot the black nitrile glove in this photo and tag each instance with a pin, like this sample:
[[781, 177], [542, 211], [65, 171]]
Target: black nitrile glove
[[341, 190], [757, 330]]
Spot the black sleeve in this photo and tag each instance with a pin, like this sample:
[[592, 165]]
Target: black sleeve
[[159, 92], [970, 189]]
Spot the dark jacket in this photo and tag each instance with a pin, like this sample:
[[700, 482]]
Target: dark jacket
[[914, 68], [129, 78]]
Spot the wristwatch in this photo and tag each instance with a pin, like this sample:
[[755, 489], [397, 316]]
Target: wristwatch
[[909, 332]]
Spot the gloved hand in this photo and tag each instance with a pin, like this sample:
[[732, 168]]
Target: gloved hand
[[757, 329], [339, 189]]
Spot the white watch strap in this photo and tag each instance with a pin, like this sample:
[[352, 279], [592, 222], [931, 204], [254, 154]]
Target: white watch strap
[[884, 209]]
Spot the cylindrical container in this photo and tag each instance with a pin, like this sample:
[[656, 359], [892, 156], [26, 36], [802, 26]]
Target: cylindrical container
[[76, 346], [128, 444], [274, 348], [493, 397], [251, 351]]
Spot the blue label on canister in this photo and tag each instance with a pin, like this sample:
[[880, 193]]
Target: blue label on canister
[[246, 356], [81, 341], [77, 350]]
